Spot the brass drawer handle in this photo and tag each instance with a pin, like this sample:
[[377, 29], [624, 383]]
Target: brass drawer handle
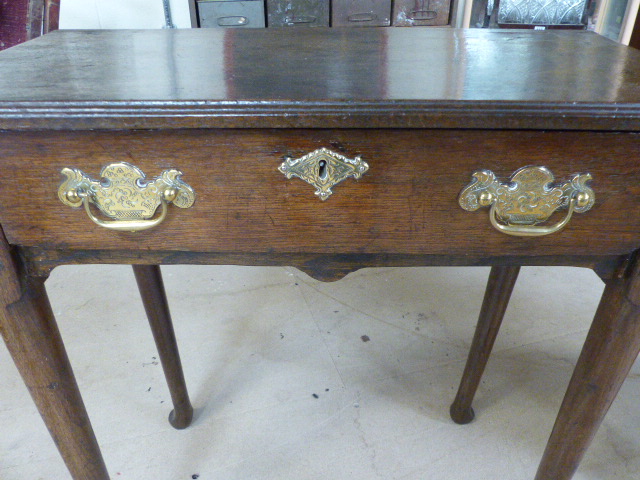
[[528, 199], [323, 169], [125, 196]]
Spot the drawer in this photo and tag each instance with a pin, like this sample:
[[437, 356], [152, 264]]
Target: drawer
[[406, 203], [416, 13], [361, 13], [231, 13], [298, 13]]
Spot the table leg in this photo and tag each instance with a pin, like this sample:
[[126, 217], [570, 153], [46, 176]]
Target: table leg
[[29, 329], [611, 348], [496, 298], [155, 303]]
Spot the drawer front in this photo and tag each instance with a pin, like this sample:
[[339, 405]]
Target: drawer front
[[231, 13], [407, 201], [300, 13], [361, 13], [416, 13]]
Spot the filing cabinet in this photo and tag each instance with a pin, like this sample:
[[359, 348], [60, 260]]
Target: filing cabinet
[[231, 13], [323, 13], [361, 13], [298, 13], [416, 13]]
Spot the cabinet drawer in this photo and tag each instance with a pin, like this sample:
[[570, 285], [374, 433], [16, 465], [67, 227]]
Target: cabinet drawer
[[416, 13], [301, 13], [231, 13], [361, 13], [407, 202]]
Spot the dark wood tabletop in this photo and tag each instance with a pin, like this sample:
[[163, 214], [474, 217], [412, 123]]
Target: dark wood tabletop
[[316, 78]]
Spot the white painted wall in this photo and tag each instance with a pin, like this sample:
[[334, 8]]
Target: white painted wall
[[108, 14]]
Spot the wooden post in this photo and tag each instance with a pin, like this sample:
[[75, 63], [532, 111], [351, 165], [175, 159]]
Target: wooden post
[[611, 348], [31, 334]]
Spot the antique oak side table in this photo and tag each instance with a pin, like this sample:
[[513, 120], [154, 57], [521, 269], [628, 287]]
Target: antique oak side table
[[327, 150]]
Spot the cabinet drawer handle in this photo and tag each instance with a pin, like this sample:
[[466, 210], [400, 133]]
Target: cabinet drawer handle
[[303, 19], [323, 169], [422, 15], [125, 196], [528, 199], [233, 21], [362, 17]]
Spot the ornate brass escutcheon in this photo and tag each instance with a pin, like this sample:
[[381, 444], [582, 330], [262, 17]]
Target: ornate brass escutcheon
[[124, 195], [323, 169], [528, 199]]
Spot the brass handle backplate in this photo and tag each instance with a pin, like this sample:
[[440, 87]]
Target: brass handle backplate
[[528, 199], [323, 169], [125, 196]]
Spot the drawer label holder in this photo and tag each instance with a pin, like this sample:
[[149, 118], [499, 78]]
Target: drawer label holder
[[528, 199], [125, 195], [323, 169]]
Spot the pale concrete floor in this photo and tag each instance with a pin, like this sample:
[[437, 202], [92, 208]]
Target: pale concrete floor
[[258, 346]]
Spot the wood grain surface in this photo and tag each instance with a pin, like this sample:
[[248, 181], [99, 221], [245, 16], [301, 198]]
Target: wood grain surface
[[320, 78], [407, 203]]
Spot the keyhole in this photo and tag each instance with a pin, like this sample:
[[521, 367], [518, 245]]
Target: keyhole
[[322, 169]]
